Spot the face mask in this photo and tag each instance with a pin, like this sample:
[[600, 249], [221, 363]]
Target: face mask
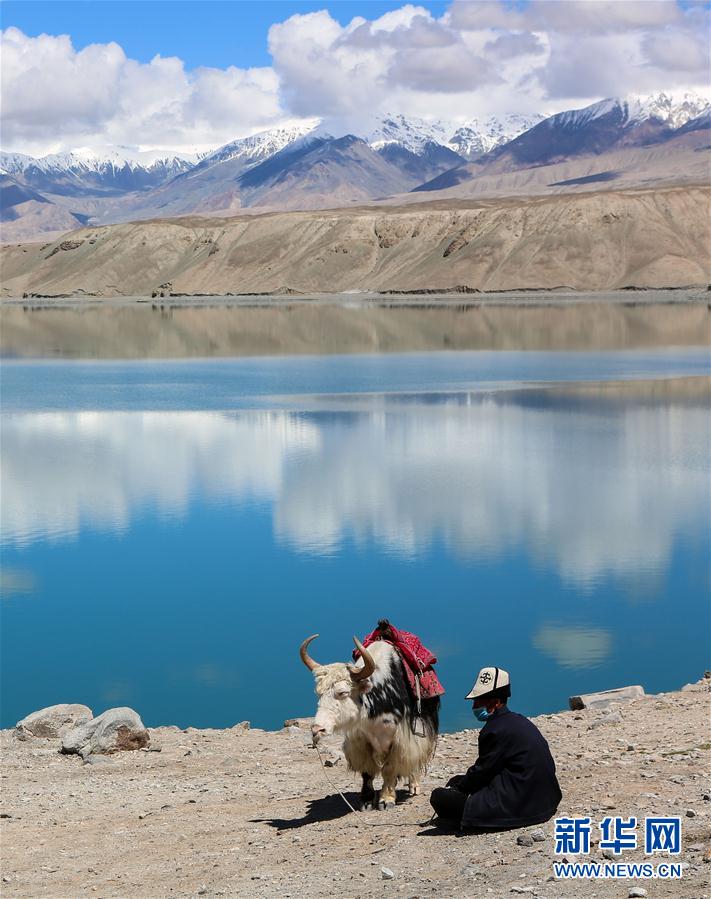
[[482, 714]]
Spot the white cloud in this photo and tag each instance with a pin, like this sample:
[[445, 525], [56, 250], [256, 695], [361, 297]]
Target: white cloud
[[55, 98], [477, 59]]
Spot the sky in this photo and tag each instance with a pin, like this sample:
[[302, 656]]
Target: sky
[[190, 76]]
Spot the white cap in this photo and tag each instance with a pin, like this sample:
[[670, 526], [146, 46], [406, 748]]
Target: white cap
[[487, 680]]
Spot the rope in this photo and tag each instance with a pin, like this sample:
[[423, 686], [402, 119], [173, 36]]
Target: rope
[[329, 779]]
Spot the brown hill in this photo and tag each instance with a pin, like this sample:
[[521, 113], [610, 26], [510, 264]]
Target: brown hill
[[590, 241]]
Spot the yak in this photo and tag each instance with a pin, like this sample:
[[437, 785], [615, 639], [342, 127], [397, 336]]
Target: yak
[[370, 702]]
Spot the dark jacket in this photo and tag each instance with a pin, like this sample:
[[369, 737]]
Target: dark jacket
[[513, 782]]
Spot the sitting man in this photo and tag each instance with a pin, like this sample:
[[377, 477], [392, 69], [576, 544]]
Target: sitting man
[[513, 782]]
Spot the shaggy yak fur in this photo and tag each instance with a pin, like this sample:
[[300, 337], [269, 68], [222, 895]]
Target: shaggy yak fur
[[378, 715]]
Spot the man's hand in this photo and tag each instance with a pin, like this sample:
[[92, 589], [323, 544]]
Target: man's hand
[[454, 782]]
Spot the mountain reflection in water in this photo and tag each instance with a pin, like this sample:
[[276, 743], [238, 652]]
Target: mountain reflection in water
[[222, 327], [562, 533]]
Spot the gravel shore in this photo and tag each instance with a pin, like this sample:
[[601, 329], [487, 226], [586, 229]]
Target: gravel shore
[[251, 813]]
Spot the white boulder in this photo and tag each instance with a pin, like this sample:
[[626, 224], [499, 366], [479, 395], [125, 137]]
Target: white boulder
[[53, 722], [115, 730]]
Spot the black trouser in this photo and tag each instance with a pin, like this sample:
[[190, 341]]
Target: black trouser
[[448, 803]]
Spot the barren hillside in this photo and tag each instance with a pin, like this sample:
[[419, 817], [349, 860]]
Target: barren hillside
[[592, 241]]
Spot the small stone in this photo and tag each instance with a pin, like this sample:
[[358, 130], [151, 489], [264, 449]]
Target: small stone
[[609, 855], [303, 723], [608, 717], [690, 813], [706, 797], [387, 874], [538, 835], [470, 870], [202, 890], [6, 878], [637, 893], [97, 760], [696, 847], [525, 839]]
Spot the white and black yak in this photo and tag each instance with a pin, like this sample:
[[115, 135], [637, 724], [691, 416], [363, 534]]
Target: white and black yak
[[370, 702]]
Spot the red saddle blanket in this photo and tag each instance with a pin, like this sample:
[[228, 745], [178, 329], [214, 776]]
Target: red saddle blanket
[[417, 659]]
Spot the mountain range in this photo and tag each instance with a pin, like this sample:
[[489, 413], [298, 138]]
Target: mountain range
[[393, 159]]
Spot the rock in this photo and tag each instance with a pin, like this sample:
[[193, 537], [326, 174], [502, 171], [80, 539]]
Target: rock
[[538, 835], [608, 717], [53, 722], [241, 727], [637, 893], [114, 730], [603, 699], [690, 813], [609, 855], [97, 760], [524, 839], [470, 870], [387, 874], [303, 723]]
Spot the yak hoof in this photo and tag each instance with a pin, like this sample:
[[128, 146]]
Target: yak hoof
[[366, 805], [385, 804]]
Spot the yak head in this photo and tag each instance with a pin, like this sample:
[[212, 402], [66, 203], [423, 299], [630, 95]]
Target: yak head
[[339, 688]]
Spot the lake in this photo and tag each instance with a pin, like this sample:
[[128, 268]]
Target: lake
[[171, 531]]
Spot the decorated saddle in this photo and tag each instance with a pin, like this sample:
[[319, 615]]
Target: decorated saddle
[[417, 660]]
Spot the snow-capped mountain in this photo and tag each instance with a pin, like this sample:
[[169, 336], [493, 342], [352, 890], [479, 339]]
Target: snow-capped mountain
[[670, 110], [103, 170], [411, 134], [468, 140], [481, 136], [258, 147], [318, 163]]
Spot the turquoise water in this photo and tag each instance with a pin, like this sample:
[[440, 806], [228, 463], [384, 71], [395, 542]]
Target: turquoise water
[[172, 531]]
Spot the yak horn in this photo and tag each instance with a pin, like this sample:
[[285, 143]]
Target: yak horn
[[304, 653], [368, 663]]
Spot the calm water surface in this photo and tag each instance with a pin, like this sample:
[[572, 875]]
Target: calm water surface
[[171, 531]]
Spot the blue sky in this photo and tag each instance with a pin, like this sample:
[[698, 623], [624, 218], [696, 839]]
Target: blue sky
[[200, 32]]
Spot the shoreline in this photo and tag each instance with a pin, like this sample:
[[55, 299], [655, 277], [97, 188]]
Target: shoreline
[[246, 812], [427, 299]]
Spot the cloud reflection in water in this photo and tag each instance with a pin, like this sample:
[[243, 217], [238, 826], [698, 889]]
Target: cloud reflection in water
[[593, 489]]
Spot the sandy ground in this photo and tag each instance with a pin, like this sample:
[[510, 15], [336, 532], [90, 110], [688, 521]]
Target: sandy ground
[[250, 813]]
